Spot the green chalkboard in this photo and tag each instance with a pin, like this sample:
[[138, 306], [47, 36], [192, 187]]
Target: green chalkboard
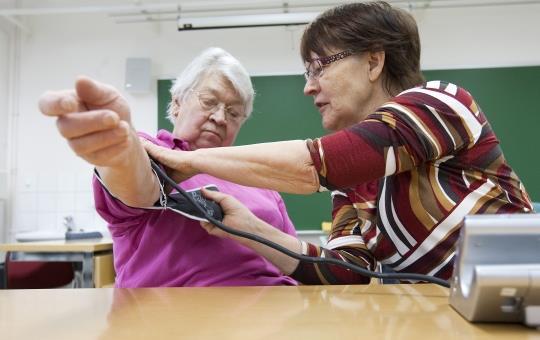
[[281, 112], [508, 96]]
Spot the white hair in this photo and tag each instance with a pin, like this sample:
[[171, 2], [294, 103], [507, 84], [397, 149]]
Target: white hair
[[213, 60]]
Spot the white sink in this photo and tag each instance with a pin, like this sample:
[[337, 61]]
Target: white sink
[[40, 236]]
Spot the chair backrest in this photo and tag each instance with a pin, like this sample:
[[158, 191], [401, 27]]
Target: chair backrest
[[37, 274]]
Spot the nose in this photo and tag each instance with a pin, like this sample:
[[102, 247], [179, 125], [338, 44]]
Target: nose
[[311, 88], [219, 116]]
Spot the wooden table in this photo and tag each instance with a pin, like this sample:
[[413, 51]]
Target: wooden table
[[300, 313], [95, 256]]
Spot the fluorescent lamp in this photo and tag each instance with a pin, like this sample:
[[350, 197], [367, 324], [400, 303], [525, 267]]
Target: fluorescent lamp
[[234, 21]]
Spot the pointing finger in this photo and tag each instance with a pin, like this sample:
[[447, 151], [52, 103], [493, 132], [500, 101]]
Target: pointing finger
[[57, 103]]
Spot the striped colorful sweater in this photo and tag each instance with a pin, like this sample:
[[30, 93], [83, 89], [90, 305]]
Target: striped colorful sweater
[[403, 180]]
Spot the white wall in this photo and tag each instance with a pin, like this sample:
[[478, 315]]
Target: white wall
[[4, 75], [51, 182], [480, 37], [6, 38], [4, 43]]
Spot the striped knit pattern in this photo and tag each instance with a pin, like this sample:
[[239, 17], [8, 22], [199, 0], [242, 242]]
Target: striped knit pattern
[[404, 179]]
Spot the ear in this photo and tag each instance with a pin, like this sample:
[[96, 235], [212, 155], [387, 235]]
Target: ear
[[376, 64], [176, 107]]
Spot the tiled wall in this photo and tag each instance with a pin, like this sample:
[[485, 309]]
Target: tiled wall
[[43, 199]]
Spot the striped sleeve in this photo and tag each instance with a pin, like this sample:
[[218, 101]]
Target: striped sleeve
[[345, 243], [419, 125]]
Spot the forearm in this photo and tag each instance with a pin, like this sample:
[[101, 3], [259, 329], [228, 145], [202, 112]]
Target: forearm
[[281, 166], [309, 273], [132, 179], [284, 263]]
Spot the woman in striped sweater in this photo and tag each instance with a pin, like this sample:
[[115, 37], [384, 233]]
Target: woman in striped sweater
[[406, 161]]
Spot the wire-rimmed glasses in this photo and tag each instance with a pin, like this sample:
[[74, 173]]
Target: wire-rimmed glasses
[[316, 66], [211, 104]]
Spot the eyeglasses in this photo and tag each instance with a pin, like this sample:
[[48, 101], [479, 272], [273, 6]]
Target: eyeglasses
[[212, 104], [316, 66]]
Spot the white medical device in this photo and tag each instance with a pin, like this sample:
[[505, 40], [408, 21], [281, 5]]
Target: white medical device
[[497, 269]]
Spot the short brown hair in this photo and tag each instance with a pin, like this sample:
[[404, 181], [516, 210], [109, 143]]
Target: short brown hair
[[370, 27]]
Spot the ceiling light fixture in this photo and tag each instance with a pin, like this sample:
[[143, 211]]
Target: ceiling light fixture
[[235, 21]]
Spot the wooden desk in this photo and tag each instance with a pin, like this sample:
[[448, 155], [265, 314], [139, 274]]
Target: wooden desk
[[309, 312], [95, 257]]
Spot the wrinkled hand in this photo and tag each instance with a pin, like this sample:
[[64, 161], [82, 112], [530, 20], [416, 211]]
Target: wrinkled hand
[[236, 216], [175, 161], [95, 120]]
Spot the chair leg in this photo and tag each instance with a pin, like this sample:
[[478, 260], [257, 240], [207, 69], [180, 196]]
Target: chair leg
[[77, 279]]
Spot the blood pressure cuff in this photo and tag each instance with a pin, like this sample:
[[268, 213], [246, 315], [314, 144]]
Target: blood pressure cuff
[[177, 203]]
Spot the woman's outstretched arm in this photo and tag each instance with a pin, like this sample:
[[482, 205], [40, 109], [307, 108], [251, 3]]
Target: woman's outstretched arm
[[281, 166]]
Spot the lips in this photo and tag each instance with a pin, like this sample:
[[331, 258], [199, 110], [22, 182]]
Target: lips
[[319, 102], [214, 133], [321, 106]]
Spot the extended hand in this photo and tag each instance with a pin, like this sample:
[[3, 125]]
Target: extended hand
[[236, 216], [175, 161], [239, 217], [95, 120]]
